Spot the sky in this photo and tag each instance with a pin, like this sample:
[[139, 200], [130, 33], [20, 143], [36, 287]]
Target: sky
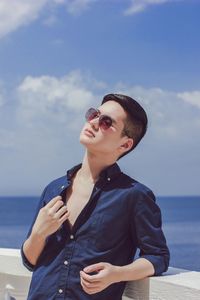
[[60, 57]]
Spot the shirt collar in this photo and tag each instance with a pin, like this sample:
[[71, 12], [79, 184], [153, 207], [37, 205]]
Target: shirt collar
[[72, 171], [108, 173]]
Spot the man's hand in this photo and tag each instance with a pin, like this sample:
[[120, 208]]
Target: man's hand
[[105, 275], [50, 218]]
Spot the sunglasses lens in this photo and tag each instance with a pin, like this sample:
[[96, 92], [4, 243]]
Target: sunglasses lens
[[105, 122], [91, 114]]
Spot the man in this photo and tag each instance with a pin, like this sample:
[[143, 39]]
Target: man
[[90, 222]]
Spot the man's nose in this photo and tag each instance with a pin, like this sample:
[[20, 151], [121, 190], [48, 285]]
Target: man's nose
[[95, 123]]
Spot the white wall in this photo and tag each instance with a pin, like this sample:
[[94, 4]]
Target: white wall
[[176, 284]]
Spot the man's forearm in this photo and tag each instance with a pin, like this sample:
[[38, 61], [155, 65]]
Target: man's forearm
[[107, 274], [139, 269], [33, 247]]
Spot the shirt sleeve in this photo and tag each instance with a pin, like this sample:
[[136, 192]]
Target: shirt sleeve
[[25, 261], [147, 227]]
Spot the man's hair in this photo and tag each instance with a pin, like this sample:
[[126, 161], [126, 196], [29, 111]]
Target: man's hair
[[135, 125]]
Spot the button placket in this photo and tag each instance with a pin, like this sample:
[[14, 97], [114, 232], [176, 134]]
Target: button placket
[[65, 270]]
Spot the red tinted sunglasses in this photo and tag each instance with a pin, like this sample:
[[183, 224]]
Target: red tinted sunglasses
[[105, 122]]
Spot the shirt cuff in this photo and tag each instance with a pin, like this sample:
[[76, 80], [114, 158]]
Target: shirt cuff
[[25, 261], [158, 263]]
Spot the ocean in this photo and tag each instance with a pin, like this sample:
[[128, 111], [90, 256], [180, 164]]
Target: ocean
[[180, 215]]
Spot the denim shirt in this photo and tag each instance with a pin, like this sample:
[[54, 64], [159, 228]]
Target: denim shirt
[[120, 216]]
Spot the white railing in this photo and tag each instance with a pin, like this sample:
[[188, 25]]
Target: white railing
[[176, 284]]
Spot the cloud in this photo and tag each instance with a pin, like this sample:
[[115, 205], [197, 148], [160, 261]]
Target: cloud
[[167, 159], [54, 98], [173, 123], [40, 130], [63, 100], [46, 107], [138, 6], [192, 98], [17, 13], [76, 7]]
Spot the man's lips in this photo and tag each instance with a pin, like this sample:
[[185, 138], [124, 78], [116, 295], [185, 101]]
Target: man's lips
[[89, 131]]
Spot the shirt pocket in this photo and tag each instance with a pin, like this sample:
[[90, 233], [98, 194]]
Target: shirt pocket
[[105, 232]]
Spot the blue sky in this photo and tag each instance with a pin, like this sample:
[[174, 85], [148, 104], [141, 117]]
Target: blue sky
[[58, 57]]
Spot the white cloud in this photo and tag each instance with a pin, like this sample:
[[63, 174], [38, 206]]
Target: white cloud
[[75, 7], [191, 97], [51, 97], [140, 5], [162, 107], [16, 13], [40, 130], [167, 160]]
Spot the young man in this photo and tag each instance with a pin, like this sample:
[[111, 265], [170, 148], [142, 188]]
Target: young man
[[90, 222]]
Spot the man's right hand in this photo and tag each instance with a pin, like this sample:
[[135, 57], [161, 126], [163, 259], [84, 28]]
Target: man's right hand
[[50, 218]]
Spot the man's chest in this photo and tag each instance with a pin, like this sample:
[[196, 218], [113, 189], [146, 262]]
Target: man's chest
[[77, 197]]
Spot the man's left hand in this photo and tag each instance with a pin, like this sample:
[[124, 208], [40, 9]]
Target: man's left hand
[[104, 274]]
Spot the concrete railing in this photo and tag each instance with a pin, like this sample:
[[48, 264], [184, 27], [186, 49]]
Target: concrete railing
[[176, 284]]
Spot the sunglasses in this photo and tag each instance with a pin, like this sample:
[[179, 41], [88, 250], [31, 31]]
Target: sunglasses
[[105, 121]]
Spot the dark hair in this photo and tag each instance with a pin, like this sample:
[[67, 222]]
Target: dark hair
[[135, 125]]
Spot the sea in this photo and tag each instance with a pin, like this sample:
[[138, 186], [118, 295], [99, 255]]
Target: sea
[[180, 219]]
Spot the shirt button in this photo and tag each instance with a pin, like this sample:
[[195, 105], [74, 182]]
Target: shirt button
[[71, 237], [65, 262], [62, 187], [60, 291], [108, 178]]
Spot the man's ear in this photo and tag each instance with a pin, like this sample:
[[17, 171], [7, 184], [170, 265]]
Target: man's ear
[[126, 146]]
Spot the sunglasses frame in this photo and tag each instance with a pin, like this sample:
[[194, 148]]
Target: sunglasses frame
[[105, 122], [101, 119]]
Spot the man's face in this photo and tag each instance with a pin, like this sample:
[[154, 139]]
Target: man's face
[[105, 141]]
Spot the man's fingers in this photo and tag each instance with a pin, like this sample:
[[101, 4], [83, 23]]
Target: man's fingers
[[87, 283], [61, 212], [89, 278], [56, 207], [90, 287], [53, 201], [94, 268], [64, 217]]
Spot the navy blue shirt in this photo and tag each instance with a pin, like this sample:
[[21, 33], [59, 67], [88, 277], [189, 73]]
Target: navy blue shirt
[[120, 216]]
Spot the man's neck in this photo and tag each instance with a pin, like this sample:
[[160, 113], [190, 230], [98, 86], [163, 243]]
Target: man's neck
[[93, 165]]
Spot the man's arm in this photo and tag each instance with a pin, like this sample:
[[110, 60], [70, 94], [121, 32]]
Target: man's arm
[[49, 219], [108, 274], [139, 269]]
